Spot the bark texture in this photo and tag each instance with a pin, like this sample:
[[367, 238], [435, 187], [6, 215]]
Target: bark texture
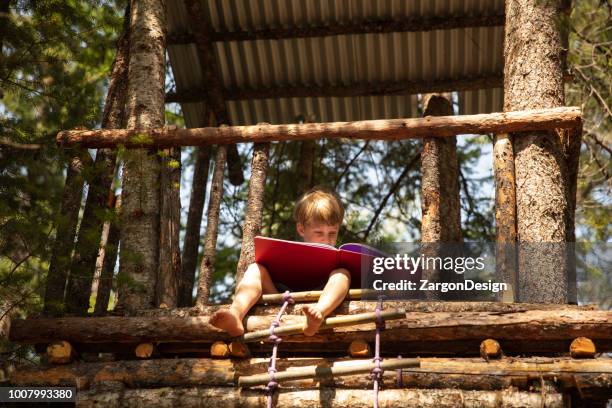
[[388, 129], [140, 192], [213, 82], [169, 272], [533, 79], [111, 249], [254, 210], [440, 203], [435, 373], [505, 214], [194, 221], [305, 166], [92, 223], [212, 228], [64, 236], [532, 325], [326, 397]]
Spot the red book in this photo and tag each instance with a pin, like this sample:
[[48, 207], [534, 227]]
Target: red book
[[305, 265]]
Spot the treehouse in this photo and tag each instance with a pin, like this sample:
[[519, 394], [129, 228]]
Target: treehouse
[[364, 70]]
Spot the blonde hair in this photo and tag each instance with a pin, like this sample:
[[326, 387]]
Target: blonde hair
[[319, 205]]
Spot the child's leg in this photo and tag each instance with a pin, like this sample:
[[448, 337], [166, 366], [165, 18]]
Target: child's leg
[[333, 294], [256, 280]]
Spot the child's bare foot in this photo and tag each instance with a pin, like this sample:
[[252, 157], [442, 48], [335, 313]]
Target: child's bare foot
[[314, 318], [228, 320]]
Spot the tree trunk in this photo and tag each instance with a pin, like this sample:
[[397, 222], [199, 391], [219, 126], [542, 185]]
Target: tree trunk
[[64, 236], [254, 209], [194, 221], [505, 215], [324, 397], [533, 79], [140, 193], [213, 83], [440, 202], [105, 283], [169, 273], [212, 227], [90, 232], [305, 166]]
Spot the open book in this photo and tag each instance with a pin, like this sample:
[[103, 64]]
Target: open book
[[304, 265]]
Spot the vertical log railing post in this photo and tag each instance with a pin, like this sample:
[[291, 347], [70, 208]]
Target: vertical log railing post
[[505, 215]]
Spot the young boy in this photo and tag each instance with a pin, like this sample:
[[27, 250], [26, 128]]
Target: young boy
[[318, 215]]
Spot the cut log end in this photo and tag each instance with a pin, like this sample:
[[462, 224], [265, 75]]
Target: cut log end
[[490, 349], [582, 347], [219, 350], [360, 348], [144, 350], [239, 349], [60, 352]]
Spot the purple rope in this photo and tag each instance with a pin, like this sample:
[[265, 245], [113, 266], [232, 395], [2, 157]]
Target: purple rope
[[377, 370], [273, 384]]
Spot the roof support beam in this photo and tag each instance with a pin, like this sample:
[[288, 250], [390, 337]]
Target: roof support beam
[[363, 89], [388, 129], [213, 94], [405, 24]]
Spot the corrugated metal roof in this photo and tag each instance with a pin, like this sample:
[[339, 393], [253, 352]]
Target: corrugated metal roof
[[340, 59]]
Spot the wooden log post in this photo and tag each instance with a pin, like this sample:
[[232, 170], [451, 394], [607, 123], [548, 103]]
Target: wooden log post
[[440, 203], [212, 227], [197, 198], [213, 83], [140, 189], [254, 210], [169, 265], [533, 79], [388, 129], [505, 216]]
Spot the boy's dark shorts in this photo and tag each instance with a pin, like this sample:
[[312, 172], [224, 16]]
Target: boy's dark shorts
[[281, 287]]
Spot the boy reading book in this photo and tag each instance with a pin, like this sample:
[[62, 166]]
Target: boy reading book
[[318, 215]]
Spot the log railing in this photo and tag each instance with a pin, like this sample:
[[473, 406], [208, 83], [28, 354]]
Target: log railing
[[391, 129]]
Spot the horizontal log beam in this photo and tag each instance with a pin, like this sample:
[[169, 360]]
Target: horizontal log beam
[[406, 24], [464, 373], [350, 90], [356, 306], [536, 325], [391, 129], [197, 397]]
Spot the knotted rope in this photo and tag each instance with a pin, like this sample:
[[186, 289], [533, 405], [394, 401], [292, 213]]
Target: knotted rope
[[272, 385], [377, 370]]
